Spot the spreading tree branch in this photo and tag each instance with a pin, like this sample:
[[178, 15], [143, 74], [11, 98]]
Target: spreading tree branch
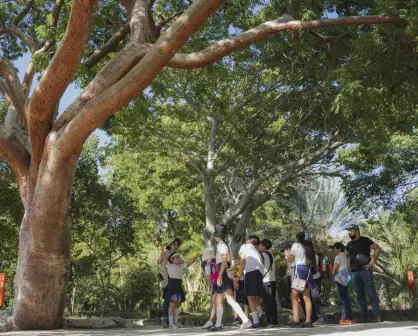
[[224, 47], [108, 47], [139, 21], [25, 10], [303, 162], [97, 110], [17, 157], [41, 107], [20, 35], [13, 88], [30, 71]]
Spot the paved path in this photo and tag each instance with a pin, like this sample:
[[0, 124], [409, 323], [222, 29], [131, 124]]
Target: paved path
[[382, 329]]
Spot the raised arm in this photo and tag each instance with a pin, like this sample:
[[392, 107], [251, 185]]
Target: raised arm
[[163, 256], [191, 262]]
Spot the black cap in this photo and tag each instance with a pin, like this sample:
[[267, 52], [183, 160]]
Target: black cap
[[353, 227], [220, 231], [338, 245]]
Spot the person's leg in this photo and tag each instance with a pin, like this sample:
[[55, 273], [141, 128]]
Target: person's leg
[[166, 304], [273, 295], [253, 303], [171, 312], [367, 276], [176, 314], [317, 313], [346, 302], [235, 306], [340, 290], [308, 304], [270, 305], [295, 305], [361, 294], [219, 309]]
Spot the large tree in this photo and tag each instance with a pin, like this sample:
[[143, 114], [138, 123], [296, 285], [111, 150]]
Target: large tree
[[43, 149]]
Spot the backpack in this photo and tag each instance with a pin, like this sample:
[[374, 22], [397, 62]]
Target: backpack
[[271, 262], [214, 270]]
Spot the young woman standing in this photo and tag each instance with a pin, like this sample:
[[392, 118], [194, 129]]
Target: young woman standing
[[224, 286], [303, 255]]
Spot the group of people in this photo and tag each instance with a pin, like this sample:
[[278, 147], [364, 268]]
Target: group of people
[[242, 280]]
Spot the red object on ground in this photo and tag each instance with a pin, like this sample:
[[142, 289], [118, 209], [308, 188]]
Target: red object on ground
[[411, 280], [2, 287]]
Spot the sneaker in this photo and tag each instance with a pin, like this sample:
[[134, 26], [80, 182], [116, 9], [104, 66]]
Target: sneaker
[[346, 322], [165, 324], [236, 321], [180, 325], [376, 320], [208, 324], [246, 325], [269, 325], [307, 325], [173, 326], [213, 328], [294, 324], [255, 326], [320, 322]]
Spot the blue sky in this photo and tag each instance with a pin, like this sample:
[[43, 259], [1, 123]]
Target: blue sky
[[69, 96]]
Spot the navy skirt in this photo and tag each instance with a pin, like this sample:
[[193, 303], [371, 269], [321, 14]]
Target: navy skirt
[[301, 272], [175, 290], [227, 283]]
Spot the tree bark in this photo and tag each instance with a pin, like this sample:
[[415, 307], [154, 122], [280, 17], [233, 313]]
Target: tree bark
[[240, 231], [208, 183], [44, 248]]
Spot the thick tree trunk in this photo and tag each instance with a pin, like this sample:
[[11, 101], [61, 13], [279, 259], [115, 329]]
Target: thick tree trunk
[[210, 205], [240, 231], [44, 247]]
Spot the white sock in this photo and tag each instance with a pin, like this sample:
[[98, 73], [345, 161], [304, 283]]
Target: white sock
[[259, 311], [171, 319], [176, 315], [254, 315], [219, 314], [235, 306]]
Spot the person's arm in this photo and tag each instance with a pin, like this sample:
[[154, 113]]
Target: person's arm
[[223, 267], [377, 250], [191, 262], [335, 269], [291, 255], [336, 266], [163, 256]]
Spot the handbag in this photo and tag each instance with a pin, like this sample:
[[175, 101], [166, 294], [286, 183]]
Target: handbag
[[343, 278], [299, 284]]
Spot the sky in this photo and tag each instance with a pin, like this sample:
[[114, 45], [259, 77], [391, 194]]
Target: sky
[[69, 96]]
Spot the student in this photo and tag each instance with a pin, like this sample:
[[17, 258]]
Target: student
[[171, 248], [253, 269], [175, 292], [341, 265], [211, 272], [303, 255], [269, 283], [224, 285]]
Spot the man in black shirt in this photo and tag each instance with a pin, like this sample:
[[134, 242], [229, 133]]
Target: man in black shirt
[[358, 249]]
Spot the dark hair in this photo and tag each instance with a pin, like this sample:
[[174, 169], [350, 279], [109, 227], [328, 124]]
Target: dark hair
[[254, 240], [306, 241], [168, 247], [267, 243], [220, 232]]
